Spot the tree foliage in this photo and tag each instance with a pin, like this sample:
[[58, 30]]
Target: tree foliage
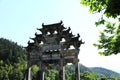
[[110, 7], [51, 75], [88, 76], [109, 39], [12, 60]]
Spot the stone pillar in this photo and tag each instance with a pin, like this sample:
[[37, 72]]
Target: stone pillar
[[29, 74], [40, 75], [40, 72], [28, 71], [77, 71], [43, 76], [61, 71], [58, 74], [64, 73], [26, 75]]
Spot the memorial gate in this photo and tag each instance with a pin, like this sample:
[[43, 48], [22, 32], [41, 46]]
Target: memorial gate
[[49, 48]]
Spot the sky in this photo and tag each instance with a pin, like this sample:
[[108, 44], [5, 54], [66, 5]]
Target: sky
[[19, 20]]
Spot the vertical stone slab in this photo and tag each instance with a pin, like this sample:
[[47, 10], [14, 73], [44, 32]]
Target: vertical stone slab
[[40, 72], [77, 68], [77, 71], [29, 74], [64, 73], [40, 75], [26, 75], [61, 70], [28, 71]]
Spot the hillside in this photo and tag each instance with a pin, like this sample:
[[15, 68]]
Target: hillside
[[11, 51], [104, 71], [12, 60], [99, 70], [84, 68]]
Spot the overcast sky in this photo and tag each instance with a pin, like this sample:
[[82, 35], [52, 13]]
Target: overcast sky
[[19, 20]]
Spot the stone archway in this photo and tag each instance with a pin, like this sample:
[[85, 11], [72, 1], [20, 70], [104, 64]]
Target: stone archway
[[53, 50]]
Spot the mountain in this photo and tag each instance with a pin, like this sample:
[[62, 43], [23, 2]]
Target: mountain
[[104, 71], [99, 70], [11, 51], [84, 68]]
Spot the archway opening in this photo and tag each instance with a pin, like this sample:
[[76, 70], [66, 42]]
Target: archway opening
[[70, 71], [34, 71]]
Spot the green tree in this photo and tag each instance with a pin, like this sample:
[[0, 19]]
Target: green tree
[[34, 70], [69, 72], [51, 75], [114, 77], [12, 60], [88, 76], [109, 39]]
